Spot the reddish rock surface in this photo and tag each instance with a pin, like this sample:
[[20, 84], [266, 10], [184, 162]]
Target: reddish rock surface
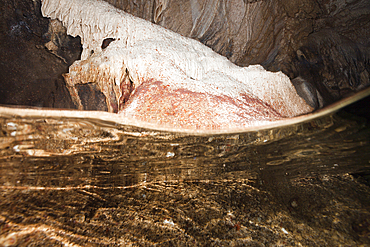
[[155, 102]]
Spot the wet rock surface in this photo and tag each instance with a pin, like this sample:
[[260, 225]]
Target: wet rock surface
[[323, 42], [326, 212]]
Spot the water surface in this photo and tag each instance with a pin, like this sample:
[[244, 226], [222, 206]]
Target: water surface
[[73, 182]]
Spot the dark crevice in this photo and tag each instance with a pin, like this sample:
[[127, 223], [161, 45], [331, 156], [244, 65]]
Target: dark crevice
[[127, 87], [106, 42], [91, 97]]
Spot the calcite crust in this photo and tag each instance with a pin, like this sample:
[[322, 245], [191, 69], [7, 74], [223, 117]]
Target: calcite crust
[[152, 74]]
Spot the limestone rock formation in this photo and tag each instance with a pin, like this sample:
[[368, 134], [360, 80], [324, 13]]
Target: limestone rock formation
[[326, 43], [167, 79]]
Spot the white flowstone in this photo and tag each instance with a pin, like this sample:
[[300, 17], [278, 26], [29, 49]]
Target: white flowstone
[[143, 52]]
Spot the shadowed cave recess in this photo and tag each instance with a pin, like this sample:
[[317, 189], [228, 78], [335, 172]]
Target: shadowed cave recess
[[321, 45]]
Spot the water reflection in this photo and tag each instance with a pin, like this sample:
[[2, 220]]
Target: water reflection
[[93, 182]]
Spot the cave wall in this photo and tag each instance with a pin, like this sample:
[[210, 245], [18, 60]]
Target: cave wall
[[325, 42], [33, 57]]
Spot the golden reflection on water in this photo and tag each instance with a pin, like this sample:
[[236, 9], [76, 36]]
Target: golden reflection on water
[[94, 183]]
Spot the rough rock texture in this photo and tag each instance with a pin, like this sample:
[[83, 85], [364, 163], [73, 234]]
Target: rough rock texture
[[324, 43], [33, 56]]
